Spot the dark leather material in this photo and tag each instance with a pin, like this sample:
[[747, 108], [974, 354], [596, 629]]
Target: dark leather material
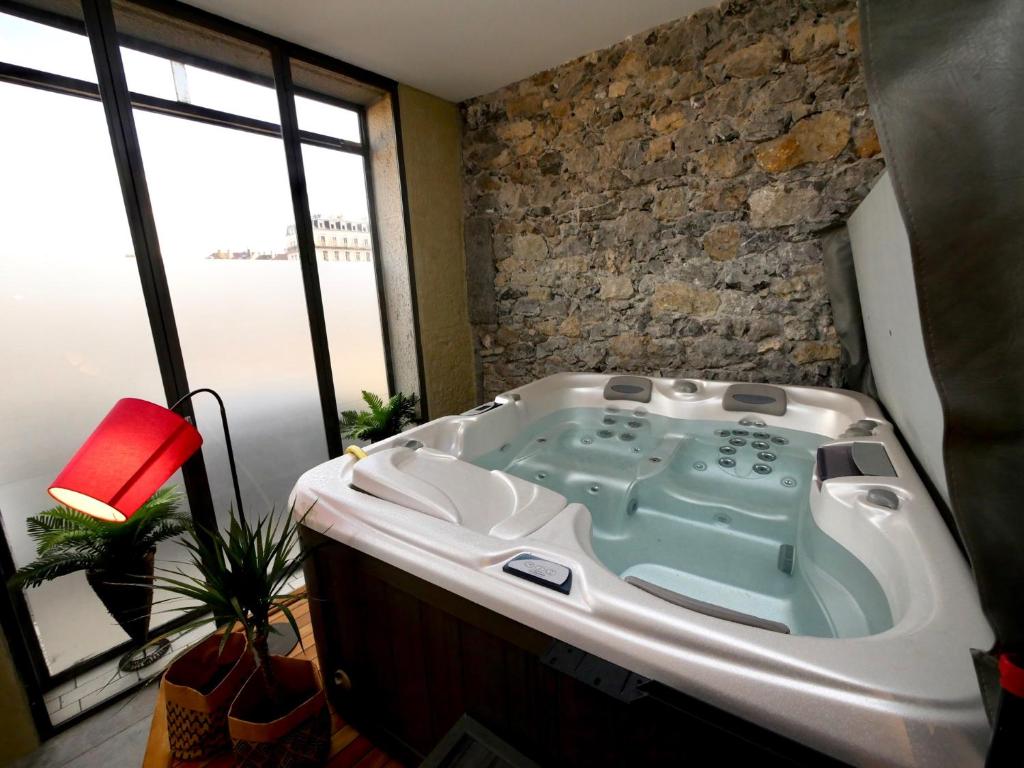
[[946, 86]]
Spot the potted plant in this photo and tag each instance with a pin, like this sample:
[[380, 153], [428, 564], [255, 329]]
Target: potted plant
[[382, 420], [280, 714], [117, 557]]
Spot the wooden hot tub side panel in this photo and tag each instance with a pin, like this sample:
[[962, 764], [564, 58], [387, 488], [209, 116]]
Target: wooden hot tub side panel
[[418, 657]]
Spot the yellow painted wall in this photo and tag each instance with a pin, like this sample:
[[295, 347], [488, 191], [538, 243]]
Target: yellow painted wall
[[431, 145], [17, 731]]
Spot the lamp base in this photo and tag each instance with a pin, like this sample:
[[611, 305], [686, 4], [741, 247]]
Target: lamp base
[[282, 639], [140, 658]]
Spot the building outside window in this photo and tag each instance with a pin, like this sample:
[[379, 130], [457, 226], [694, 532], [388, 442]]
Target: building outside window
[[361, 251]]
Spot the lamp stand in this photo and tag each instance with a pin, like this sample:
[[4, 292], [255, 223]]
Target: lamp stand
[[140, 658], [227, 441], [282, 639]]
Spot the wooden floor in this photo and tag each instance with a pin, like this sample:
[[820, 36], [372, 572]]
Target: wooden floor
[[349, 749]]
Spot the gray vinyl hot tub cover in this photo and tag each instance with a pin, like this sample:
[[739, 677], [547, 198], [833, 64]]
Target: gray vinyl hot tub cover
[[946, 86]]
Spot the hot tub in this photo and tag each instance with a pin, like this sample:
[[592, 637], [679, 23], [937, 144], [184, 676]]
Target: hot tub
[[768, 550]]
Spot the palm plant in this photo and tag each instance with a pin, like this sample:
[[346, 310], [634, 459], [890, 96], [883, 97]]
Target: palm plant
[[117, 557], [241, 577], [68, 540], [384, 419]]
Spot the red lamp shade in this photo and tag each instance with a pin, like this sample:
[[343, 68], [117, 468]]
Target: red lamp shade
[[125, 460]]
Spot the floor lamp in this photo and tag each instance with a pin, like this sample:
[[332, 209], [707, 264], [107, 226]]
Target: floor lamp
[[132, 452]]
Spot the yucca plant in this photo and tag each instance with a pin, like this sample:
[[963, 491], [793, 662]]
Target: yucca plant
[[117, 557], [241, 577], [384, 419]]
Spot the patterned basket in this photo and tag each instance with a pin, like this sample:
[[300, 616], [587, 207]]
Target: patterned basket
[[299, 739], [199, 686]]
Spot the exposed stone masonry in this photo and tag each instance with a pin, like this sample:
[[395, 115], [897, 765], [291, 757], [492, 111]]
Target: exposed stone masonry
[[657, 206]]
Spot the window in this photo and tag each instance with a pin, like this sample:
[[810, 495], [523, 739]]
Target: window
[[228, 259], [242, 323], [168, 79], [318, 116], [336, 181], [64, 367], [46, 48]]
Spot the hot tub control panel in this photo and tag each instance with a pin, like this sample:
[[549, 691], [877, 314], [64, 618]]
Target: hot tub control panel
[[544, 572]]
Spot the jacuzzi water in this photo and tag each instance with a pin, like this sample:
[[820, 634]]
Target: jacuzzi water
[[712, 510]]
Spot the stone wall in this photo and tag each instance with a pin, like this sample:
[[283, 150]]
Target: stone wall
[[657, 206]]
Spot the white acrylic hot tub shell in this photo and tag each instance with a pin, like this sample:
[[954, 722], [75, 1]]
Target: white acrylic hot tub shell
[[906, 697]]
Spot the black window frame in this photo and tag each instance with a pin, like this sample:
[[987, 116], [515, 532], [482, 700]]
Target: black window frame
[[99, 28]]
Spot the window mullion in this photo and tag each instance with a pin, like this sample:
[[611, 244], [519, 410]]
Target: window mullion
[[47, 81], [117, 107], [307, 249], [330, 142]]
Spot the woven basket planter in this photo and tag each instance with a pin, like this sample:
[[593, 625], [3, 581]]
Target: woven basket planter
[[199, 687], [297, 739]]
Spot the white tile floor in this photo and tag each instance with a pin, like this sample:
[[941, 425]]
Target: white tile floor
[[106, 681]]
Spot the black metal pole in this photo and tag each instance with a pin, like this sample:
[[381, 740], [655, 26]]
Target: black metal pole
[[227, 441], [282, 637]]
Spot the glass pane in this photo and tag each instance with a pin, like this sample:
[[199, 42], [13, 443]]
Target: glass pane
[[148, 74], [30, 44], [223, 209], [75, 332], [167, 79], [318, 83], [140, 25], [319, 117], [345, 256], [231, 94]]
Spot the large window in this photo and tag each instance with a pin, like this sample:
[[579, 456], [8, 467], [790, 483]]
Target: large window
[[337, 188], [75, 336], [223, 210], [262, 280]]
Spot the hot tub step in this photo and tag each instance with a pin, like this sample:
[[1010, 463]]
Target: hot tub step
[[708, 609]]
